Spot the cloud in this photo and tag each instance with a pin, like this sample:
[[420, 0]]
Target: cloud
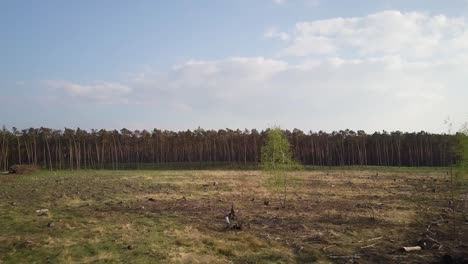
[[413, 35], [389, 70], [279, 2], [103, 92], [274, 33], [377, 93]]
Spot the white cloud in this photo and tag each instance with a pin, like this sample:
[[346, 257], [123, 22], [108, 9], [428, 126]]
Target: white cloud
[[373, 94], [388, 70], [412, 35], [103, 92], [274, 33]]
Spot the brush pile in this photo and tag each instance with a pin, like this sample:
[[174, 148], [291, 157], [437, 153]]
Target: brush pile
[[23, 169]]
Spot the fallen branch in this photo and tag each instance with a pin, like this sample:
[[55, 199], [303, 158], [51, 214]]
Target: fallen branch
[[371, 245], [433, 240], [327, 247]]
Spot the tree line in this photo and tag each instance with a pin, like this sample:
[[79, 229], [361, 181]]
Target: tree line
[[94, 149]]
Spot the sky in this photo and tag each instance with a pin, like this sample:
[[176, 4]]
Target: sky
[[308, 64]]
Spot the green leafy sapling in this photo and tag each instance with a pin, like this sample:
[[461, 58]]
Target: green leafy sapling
[[277, 160]]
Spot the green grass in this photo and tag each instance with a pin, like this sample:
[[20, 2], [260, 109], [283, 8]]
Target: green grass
[[104, 216], [95, 216], [241, 166], [80, 226], [379, 169]]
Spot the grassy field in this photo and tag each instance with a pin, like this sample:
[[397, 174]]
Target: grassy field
[[337, 216]]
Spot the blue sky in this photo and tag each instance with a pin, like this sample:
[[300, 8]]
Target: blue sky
[[310, 64]]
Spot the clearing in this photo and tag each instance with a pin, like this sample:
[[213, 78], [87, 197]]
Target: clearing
[[332, 215]]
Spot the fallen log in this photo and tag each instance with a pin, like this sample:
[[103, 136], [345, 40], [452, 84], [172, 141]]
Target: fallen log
[[409, 249]]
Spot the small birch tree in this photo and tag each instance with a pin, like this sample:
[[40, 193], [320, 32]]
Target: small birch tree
[[276, 159], [460, 150], [463, 141], [459, 176], [461, 170]]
